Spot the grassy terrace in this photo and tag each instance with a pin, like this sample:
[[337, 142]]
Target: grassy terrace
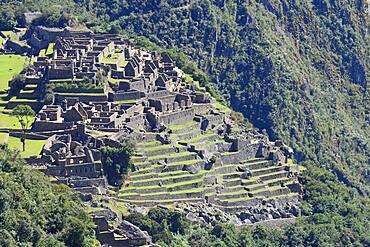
[[8, 121], [199, 138], [185, 162], [229, 153], [182, 126], [31, 86], [66, 80], [128, 101], [163, 201], [50, 49], [201, 145], [222, 108], [171, 155], [272, 174], [14, 99], [271, 189], [189, 191], [150, 143], [10, 65], [116, 81], [4, 137], [160, 147], [113, 59], [167, 186], [233, 165], [15, 37], [162, 174], [33, 147], [186, 133], [187, 175], [82, 94]]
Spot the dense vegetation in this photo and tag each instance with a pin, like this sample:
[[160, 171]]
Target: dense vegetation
[[117, 162], [34, 212], [295, 68]]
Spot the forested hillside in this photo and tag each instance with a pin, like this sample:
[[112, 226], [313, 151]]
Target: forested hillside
[[35, 212]]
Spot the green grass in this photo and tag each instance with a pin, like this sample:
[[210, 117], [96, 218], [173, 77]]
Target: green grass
[[272, 188], [222, 108], [33, 147], [4, 137], [175, 127], [229, 153], [202, 145], [240, 199], [14, 99], [82, 94], [161, 201], [186, 133], [50, 49], [15, 37], [170, 155], [185, 162], [196, 83], [194, 190], [42, 53], [10, 65], [164, 178], [126, 101], [8, 121], [162, 174], [111, 59], [150, 143], [66, 80], [200, 137], [160, 147], [184, 183]]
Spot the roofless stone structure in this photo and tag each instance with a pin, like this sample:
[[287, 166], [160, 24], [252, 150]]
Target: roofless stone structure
[[190, 149]]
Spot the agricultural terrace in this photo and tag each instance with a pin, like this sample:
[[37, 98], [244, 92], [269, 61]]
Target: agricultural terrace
[[10, 65]]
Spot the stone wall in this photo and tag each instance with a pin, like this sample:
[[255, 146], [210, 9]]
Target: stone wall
[[125, 95], [83, 98], [201, 109], [178, 117], [157, 94], [79, 90]]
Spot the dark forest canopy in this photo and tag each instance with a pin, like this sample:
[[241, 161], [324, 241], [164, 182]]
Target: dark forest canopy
[[35, 212]]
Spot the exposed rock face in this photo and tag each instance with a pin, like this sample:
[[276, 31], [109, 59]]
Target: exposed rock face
[[205, 214], [136, 236]]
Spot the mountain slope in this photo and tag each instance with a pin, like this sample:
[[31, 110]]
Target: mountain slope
[[295, 68], [35, 212]]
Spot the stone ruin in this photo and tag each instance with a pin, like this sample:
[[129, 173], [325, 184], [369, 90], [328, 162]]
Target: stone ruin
[[75, 162], [189, 149]]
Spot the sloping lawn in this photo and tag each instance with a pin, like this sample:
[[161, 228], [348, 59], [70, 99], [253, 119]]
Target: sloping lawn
[[4, 137], [8, 121], [10, 65], [33, 147]]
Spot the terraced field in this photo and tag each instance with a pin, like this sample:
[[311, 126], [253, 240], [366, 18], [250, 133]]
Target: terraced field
[[10, 65], [178, 172]]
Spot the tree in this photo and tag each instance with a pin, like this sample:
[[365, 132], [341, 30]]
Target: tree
[[117, 162], [24, 114]]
